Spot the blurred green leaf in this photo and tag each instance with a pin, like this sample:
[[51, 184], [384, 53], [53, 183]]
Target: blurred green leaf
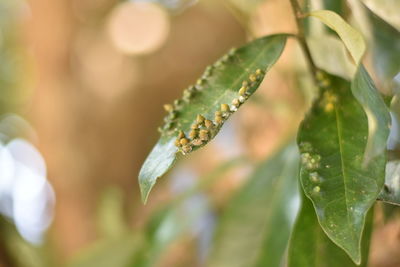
[[352, 39], [310, 247], [111, 219], [332, 140], [219, 85], [117, 252], [255, 228], [386, 48]]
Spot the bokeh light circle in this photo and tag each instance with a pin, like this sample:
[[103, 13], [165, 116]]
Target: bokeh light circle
[[138, 28]]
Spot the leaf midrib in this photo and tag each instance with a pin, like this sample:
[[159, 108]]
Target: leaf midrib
[[339, 129]]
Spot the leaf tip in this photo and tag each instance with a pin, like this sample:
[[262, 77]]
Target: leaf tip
[[145, 189]]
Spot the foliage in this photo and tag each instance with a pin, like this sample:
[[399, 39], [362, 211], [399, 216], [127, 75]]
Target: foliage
[[337, 170], [342, 142]]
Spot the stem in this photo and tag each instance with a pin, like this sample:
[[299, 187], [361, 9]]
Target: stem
[[298, 14]]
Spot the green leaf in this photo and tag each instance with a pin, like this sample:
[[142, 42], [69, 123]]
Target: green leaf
[[255, 228], [110, 216], [117, 252], [391, 190], [232, 79], [386, 48], [310, 247], [352, 39], [365, 92], [362, 86], [332, 140]]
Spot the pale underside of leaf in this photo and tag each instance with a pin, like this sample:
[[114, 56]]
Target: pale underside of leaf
[[365, 92], [352, 39], [220, 84]]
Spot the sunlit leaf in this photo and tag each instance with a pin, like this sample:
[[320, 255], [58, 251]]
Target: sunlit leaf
[[352, 39], [332, 141], [309, 246], [386, 9], [255, 228], [222, 89]]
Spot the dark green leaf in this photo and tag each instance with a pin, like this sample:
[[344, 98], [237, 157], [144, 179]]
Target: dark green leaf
[[310, 247], [332, 140], [220, 84], [255, 228]]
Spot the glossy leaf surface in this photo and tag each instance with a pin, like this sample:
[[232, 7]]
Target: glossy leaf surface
[[332, 141]]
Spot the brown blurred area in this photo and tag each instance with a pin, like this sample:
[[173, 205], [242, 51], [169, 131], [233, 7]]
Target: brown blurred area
[[96, 108], [97, 118]]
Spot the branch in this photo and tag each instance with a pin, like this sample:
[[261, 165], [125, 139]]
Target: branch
[[298, 14]]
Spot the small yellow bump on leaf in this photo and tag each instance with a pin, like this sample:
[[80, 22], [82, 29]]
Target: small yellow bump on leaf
[[225, 108], [168, 108], [203, 135], [184, 141], [218, 119], [209, 124], [200, 119], [243, 90], [181, 134]]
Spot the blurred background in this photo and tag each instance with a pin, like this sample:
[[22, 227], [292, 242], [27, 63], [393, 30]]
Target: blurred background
[[82, 85]]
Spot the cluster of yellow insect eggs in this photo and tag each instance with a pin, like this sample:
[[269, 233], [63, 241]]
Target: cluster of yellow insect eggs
[[329, 100], [322, 79]]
